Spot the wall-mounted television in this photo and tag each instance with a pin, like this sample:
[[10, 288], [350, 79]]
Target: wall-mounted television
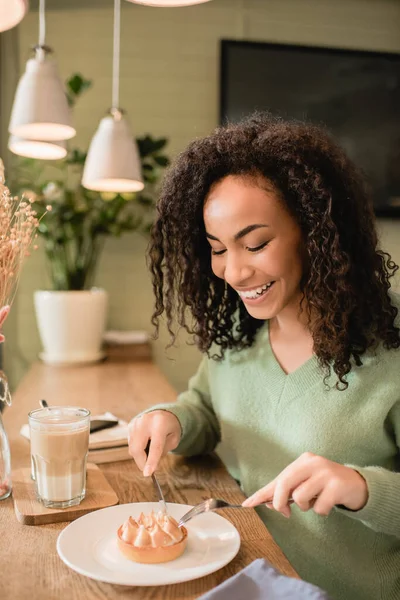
[[356, 94]]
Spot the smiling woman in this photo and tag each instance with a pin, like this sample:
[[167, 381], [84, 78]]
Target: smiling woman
[[262, 261], [265, 232]]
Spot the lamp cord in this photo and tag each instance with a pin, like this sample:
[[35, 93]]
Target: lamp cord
[[116, 50], [42, 23]]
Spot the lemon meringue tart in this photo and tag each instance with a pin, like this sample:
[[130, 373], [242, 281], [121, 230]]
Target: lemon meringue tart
[[154, 538]]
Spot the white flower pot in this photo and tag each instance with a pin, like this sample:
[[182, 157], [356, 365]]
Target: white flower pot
[[71, 325]]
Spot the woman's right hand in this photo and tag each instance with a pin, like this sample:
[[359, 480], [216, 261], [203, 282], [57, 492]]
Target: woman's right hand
[[163, 430]]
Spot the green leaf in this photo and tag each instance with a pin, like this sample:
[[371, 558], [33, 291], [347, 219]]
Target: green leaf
[[161, 160], [76, 157], [144, 145], [77, 84], [158, 145], [150, 177], [148, 145]]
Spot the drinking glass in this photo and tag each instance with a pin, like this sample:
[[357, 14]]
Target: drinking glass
[[59, 448]]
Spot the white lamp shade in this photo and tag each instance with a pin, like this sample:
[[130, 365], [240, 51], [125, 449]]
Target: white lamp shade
[[37, 148], [11, 13], [168, 3], [112, 163], [40, 110]]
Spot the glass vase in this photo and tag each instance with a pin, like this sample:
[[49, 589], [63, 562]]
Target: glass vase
[[5, 458]]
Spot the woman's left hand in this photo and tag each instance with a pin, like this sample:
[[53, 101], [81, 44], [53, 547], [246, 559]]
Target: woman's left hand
[[313, 482]]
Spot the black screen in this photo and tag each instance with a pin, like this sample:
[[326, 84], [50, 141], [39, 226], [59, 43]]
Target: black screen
[[355, 94]]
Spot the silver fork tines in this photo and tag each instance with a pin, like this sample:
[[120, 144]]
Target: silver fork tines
[[213, 504], [206, 506]]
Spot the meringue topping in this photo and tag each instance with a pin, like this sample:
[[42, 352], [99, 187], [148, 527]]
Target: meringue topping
[[151, 530], [142, 538], [129, 531]]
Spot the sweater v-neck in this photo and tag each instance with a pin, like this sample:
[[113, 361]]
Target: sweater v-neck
[[294, 383]]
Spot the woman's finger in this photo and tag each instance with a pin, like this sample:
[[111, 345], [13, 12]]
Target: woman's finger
[[264, 494], [299, 471], [138, 438], [157, 445], [283, 491], [306, 493], [294, 474], [4, 314], [327, 499]]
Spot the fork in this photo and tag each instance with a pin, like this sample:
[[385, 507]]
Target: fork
[[214, 504]]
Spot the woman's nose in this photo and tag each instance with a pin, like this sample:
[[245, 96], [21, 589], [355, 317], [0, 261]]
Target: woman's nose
[[237, 272]]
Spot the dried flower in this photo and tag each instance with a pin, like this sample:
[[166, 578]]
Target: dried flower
[[18, 225], [30, 195]]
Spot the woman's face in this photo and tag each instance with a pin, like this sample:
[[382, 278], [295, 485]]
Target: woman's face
[[256, 245]]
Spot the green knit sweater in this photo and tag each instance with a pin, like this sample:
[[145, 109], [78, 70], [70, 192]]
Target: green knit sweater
[[261, 419]]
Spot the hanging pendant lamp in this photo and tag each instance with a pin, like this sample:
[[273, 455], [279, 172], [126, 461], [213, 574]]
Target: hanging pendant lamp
[[37, 148], [11, 13], [40, 110], [168, 3], [112, 163]]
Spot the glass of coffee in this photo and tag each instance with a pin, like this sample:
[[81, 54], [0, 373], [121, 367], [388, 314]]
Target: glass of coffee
[[59, 448]]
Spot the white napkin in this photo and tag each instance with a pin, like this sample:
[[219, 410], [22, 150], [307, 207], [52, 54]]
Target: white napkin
[[261, 581]]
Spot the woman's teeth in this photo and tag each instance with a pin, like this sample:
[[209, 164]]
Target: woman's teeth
[[256, 292]]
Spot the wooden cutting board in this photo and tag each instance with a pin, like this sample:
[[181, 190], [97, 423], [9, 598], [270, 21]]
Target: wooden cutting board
[[29, 511]]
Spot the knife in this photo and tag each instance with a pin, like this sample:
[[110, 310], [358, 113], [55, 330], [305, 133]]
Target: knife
[[157, 486]]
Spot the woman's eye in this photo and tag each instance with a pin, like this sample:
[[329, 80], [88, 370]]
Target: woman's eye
[[217, 252], [260, 247]]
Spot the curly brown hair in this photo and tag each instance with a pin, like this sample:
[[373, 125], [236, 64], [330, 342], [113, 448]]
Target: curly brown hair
[[346, 279]]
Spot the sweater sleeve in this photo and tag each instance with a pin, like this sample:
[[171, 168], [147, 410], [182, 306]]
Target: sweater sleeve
[[381, 512], [195, 412]]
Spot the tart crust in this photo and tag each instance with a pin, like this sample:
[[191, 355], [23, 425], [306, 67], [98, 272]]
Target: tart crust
[[149, 554]]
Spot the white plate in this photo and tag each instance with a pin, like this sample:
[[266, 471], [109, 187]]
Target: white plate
[[89, 546]]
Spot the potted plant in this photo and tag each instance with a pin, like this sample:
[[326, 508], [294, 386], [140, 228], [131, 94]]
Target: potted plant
[[71, 317]]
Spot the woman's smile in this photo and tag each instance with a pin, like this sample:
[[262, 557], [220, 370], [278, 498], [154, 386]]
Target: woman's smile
[[255, 295]]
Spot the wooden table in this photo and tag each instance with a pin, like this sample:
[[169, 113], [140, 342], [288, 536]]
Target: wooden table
[[29, 565]]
